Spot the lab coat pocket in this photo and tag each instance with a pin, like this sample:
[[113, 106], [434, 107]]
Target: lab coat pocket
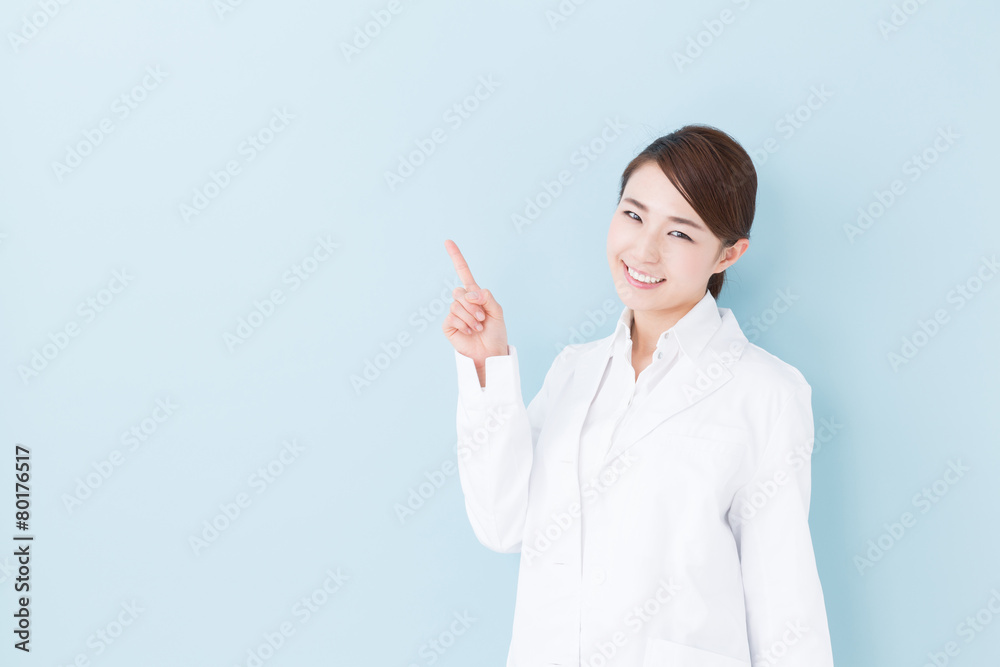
[[693, 464], [700, 438], [665, 653], [719, 437]]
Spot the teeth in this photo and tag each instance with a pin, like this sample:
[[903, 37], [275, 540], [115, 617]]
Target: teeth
[[642, 277]]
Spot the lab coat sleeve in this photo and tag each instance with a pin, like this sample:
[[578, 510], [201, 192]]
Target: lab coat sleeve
[[769, 517], [496, 437]]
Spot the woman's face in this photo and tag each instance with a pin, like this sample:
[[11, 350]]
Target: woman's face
[[656, 232]]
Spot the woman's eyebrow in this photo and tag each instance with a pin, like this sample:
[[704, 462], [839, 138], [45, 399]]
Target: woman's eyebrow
[[673, 218]]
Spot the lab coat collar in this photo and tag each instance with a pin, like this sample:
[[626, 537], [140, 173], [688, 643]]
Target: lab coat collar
[[692, 331]]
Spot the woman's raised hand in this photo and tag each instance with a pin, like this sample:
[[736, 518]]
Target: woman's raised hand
[[475, 325]]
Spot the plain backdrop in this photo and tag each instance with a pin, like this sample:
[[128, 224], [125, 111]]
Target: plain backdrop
[[223, 279]]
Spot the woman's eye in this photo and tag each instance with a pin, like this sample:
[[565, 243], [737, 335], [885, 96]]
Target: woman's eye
[[634, 216]]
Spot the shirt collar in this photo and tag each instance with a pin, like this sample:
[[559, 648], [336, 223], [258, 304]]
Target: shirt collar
[[692, 331]]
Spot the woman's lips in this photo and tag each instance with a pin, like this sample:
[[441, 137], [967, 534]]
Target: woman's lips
[[635, 283]]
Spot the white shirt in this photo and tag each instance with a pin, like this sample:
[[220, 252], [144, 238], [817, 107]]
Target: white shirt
[[620, 394]]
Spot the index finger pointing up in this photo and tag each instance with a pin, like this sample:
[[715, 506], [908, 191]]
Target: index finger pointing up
[[461, 267]]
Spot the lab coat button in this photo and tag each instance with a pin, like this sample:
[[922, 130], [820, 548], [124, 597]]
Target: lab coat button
[[600, 576]]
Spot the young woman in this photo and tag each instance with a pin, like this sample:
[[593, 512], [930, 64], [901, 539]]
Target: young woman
[[657, 487]]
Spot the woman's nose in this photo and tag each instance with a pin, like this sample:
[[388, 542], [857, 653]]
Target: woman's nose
[[647, 248]]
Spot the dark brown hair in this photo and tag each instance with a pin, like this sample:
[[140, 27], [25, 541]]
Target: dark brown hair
[[714, 174]]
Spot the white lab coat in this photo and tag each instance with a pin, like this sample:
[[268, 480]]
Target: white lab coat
[[697, 550]]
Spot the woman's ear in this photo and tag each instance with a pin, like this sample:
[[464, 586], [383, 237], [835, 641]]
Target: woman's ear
[[731, 254]]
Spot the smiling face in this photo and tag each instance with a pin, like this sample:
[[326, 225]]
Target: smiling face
[[655, 232]]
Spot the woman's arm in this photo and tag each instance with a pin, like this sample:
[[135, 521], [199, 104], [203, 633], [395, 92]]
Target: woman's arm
[[496, 438], [769, 516]]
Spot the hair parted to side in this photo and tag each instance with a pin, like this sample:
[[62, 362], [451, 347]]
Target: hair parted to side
[[714, 174]]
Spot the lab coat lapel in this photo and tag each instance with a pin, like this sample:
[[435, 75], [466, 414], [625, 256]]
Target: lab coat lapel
[[690, 381], [580, 394]]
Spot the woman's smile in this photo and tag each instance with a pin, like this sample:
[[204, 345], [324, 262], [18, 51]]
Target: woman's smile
[[639, 279]]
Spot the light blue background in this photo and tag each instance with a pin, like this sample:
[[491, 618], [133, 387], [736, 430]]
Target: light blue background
[[364, 450]]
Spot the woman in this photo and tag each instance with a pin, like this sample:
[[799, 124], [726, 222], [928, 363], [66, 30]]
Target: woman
[[657, 487]]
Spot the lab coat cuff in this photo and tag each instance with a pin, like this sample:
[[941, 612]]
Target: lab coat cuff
[[503, 385]]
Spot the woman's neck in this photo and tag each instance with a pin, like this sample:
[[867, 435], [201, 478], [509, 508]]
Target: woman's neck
[[647, 327]]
